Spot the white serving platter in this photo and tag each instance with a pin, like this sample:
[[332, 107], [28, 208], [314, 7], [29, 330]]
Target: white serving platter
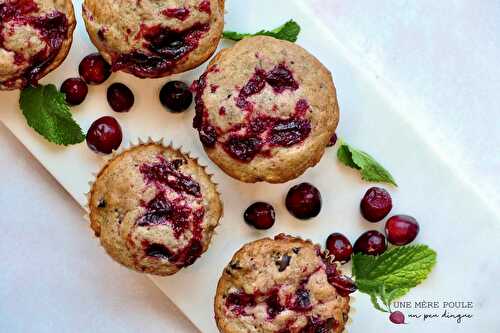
[[454, 220]]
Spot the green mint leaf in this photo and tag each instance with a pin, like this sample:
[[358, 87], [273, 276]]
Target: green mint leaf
[[47, 112], [370, 169], [397, 270], [288, 31]]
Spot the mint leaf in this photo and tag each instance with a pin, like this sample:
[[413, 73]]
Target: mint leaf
[[288, 31], [370, 169], [391, 275], [47, 112]]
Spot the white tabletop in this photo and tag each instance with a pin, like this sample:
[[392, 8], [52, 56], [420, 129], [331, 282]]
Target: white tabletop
[[444, 57]]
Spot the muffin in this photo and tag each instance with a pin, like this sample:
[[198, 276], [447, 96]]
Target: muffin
[[265, 110], [35, 37], [154, 38], [282, 285], [154, 209]]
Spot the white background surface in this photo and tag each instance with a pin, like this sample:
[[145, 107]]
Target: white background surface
[[444, 57]]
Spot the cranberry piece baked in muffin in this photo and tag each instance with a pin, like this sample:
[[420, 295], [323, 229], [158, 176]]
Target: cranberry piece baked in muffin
[[35, 37], [265, 110], [154, 38], [283, 284], [154, 209]]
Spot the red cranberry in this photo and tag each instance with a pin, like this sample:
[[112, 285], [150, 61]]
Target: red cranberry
[[376, 204], [75, 90], [260, 215], [176, 96], [333, 140], [371, 243], [343, 284], [303, 201], [397, 317], [104, 135], [94, 69], [339, 246], [120, 97], [401, 229]]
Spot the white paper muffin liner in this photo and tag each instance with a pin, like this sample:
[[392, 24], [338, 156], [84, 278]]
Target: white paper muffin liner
[[141, 142]]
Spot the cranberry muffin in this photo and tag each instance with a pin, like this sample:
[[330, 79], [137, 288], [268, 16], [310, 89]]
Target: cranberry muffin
[[154, 38], [283, 284], [265, 110], [154, 209], [35, 37]]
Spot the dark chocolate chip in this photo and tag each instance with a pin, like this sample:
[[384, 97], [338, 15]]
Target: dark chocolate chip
[[283, 263]]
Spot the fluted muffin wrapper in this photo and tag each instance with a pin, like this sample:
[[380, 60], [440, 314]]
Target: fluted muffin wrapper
[[141, 142]]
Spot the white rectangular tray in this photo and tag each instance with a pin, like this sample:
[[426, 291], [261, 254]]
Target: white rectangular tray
[[454, 220]]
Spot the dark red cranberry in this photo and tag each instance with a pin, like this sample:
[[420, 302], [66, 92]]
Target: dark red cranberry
[[333, 140], [302, 300], [339, 246], [397, 317], [303, 201], [194, 251], [290, 131], [243, 148], [274, 306], [401, 229], [260, 215], [343, 284], [104, 135], [316, 325], [176, 96], [94, 69], [371, 243], [281, 78], [376, 204], [208, 136], [237, 301], [158, 251], [75, 90], [120, 97]]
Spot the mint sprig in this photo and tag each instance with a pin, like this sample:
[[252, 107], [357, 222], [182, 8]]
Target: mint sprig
[[393, 274], [47, 112], [369, 168], [288, 31]]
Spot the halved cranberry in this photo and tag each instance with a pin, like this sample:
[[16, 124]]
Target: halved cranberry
[[343, 284], [281, 78], [243, 148], [260, 215], [208, 136], [120, 97], [333, 140], [303, 201], [237, 301], [176, 96], [274, 306], [75, 90], [104, 135], [376, 204], [371, 243], [290, 131], [168, 43], [94, 69], [339, 246], [401, 229]]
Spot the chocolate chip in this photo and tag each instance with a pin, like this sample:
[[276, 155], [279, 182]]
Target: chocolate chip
[[235, 265], [283, 263], [296, 250], [101, 204]]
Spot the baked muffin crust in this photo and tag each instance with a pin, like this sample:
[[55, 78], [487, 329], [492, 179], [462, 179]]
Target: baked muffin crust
[[154, 38], [279, 285], [35, 37], [265, 110], [154, 209]]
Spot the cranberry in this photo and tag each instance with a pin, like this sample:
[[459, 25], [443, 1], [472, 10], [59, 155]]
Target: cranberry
[[94, 69], [333, 140], [371, 243], [401, 229], [281, 78], [290, 131], [303, 201], [302, 300], [120, 97], [75, 90], [243, 148], [260, 215], [376, 204], [397, 317], [274, 306], [339, 246], [176, 96], [208, 136], [104, 135], [158, 251], [343, 284]]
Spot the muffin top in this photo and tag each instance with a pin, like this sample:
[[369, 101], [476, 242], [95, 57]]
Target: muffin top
[[154, 38], [281, 285], [35, 37], [154, 209], [264, 109]]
